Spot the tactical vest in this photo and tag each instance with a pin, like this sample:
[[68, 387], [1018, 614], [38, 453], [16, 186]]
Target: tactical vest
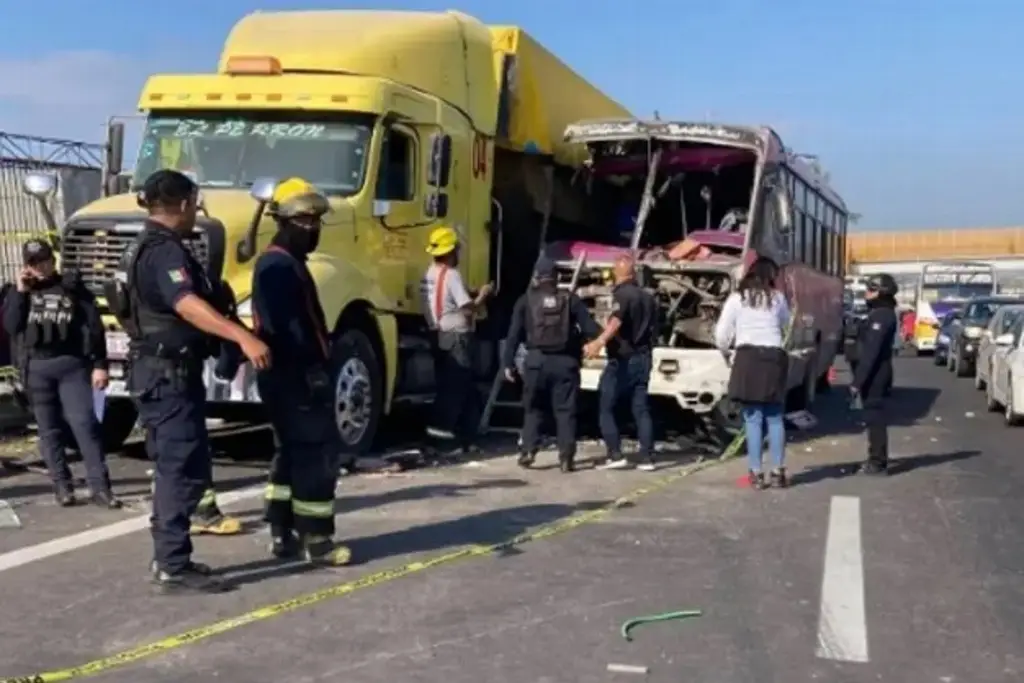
[[144, 325], [51, 319], [547, 320]]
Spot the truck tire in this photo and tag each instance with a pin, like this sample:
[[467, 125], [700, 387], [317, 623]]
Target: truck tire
[[358, 391], [119, 419]]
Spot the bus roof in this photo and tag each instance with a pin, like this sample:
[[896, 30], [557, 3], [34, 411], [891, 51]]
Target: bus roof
[[763, 139]]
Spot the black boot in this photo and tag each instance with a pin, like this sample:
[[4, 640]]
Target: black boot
[[873, 469], [324, 552], [566, 465], [65, 495], [191, 579], [105, 499], [526, 459], [284, 543]]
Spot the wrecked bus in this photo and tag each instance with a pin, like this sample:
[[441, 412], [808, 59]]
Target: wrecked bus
[[697, 201], [408, 121]]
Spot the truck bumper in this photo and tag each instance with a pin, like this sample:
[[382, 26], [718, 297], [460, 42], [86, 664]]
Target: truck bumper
[[242, 389]]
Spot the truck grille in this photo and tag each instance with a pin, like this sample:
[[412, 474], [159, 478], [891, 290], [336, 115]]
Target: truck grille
[[94, 247]]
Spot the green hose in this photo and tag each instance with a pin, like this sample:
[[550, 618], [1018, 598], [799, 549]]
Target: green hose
[[629, 625]]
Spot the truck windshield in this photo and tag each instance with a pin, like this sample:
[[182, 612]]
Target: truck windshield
[[231, 150]]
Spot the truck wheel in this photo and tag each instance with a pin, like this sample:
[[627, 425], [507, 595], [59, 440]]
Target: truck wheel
[[119, 418], [358, 390]]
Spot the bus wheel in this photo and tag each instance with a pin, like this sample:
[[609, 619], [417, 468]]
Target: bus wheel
[[358, 391]]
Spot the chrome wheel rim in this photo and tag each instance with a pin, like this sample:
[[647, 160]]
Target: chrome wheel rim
[[353, 400]]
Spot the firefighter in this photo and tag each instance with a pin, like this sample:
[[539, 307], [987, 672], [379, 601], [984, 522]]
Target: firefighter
[[298, 390], [873, 377], [163, 298], [63, 359], [553, 324], [450, 311]]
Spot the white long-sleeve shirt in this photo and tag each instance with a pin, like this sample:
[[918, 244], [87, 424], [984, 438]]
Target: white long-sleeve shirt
[[743, 325]]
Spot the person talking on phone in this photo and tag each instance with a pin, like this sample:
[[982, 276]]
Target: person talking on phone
[[62, 357]]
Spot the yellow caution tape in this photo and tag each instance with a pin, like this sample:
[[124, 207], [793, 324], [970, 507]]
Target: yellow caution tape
[[135, 654]]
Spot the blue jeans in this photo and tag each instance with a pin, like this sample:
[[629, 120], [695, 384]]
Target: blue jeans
[[755, 417], [626, 378]]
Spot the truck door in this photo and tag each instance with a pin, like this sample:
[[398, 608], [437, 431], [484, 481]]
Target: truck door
[[398, 208]]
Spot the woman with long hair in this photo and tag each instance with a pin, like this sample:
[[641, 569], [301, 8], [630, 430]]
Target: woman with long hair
[[753, 321]]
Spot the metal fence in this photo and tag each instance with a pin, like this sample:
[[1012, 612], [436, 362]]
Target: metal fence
[[78, 169]]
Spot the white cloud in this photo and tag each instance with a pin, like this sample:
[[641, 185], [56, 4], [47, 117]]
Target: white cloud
[[68, 94]]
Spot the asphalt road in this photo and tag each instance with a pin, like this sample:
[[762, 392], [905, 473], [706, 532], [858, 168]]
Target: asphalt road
[[915, 578]]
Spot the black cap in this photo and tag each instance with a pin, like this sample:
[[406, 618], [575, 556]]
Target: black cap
[[544, 269], [166, 187], [36, 251]]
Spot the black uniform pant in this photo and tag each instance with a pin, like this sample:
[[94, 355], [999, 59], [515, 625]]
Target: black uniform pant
[[304, 470], [878, 430], [171, 399], [457, 404], [626, 378], [60, 389], [550, 380], [207, 508]]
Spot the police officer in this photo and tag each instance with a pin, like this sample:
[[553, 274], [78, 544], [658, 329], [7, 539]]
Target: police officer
[[552, 323], [63, 358], [629, 338], [450, 312], [873, 375], [162, 296], [298, 391]]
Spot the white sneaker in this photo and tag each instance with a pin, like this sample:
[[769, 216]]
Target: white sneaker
[[619, 463], [647, 466]]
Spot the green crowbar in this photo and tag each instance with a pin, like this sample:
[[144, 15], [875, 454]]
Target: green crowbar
[[630, 624]]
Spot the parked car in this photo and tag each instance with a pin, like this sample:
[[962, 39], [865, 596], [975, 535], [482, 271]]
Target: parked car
[[966, 333], [1005, 387], [1002, 322], [942, 340]]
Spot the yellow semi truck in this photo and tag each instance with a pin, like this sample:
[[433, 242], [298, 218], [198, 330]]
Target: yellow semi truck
[[408, 120]]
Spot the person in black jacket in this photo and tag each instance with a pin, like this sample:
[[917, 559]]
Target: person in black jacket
[[298, 391], [872, 378], [62, 358], [553, 324]]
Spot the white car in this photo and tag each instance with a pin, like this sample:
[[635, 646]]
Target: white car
[[1002, 322], [1005, 386]]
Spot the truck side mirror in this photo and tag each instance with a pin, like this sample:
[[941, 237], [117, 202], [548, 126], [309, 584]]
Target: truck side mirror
[[440, 160], [42, 186], [262, 191]]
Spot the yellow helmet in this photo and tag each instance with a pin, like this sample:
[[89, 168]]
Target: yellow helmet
[[297, 197], [442, 241]]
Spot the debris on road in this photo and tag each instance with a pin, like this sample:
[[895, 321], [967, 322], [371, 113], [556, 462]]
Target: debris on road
[[630, 624], [8, 517], [627, 669], [969, 414]]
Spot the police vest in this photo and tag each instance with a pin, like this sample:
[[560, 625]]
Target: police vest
[[141, 321], [51, 319], [548, 320]]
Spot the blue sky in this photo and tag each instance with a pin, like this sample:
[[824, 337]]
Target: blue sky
[[916, 108]]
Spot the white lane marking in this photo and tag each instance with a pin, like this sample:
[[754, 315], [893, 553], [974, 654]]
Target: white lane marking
[[842, 624], [84, 539]]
